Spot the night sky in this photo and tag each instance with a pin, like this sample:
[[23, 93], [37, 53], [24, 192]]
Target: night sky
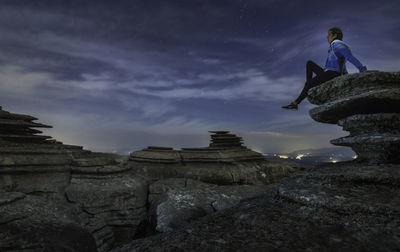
[[118, 76]]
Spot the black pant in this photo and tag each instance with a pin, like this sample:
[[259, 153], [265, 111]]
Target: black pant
[[317, 80]]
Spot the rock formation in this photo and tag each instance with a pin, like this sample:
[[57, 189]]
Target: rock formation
[[35, 171], [349, 206], [369, 107], [227, 163], [52, 193], [58, 197], [184, 184]]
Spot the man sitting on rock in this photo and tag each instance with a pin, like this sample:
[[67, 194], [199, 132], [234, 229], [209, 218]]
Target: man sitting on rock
[[335, 65]]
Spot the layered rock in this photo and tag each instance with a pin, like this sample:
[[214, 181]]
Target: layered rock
[[190, 183], [34, 172], [224, 139], [230, 163], [367, 105], [56, 196], [112, 203], [30, 162]]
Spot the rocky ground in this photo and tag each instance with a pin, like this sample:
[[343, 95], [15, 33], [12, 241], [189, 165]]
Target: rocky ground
[[346, 207]]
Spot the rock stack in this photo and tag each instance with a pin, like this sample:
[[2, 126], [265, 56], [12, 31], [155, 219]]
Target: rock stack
[[84, 197], [368, 106], [223, 139], [225, 161], [34, 172], [30, 162], [18, 128]]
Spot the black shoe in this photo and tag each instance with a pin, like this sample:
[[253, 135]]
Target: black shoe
[[290, 106]]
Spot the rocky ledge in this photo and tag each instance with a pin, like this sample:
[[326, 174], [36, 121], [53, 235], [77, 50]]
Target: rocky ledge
[[367, 105]]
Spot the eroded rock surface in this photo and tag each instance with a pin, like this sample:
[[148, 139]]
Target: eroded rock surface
[[341, 207], [176, 202], [229, 163], [367, 105], [58, 197]]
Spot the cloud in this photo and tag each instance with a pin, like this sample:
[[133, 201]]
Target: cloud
[[249, 84], [16, 80], [127, 74]]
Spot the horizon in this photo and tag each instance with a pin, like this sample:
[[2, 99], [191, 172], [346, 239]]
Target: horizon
[[118, 77]]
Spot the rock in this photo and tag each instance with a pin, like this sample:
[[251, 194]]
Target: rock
[[367, 105], [114, 203], [91, 195], [34, 223], [29, 162], [223, 165], [56, 197], [176, 202], [347, 206], [223, 139], [338, 207]]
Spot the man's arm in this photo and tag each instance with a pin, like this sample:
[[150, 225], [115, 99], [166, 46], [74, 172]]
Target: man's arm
[[345, 52]]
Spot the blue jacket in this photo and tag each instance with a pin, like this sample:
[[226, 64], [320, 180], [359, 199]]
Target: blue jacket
[[338, 53]]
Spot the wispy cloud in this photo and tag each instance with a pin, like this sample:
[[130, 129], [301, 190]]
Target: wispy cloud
[[127, 74]]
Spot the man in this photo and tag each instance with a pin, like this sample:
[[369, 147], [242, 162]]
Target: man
[[335, 65]]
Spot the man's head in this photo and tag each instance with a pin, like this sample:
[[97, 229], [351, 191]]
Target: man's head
[[334, 33]]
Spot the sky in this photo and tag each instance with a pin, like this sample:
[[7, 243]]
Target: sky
[[118, 76]]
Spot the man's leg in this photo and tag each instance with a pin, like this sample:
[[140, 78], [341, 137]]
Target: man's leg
[[317, 80], [312, 67]]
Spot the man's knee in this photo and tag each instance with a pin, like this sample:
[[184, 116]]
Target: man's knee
[[310, 63]]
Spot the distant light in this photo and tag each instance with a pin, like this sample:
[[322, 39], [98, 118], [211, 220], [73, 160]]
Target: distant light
[[334, 161], [299, 156], [283, 156], [355, 156]]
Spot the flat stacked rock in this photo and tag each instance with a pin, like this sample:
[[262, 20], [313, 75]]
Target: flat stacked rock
[[56, 196], [368, 106], [30, 162], [224, 139], [225, 161], [34, 172], [193, 182]]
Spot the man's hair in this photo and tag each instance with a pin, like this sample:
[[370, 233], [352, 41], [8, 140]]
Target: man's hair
[[337, 31]]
